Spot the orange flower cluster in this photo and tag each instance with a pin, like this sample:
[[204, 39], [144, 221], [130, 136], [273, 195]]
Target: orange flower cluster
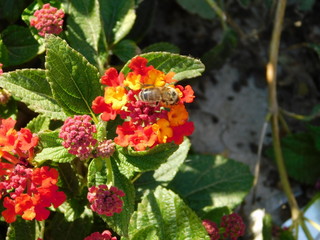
[[151, 106], [26, 191], [16, 146]]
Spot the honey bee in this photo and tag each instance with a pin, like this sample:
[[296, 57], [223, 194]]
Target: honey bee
[[155, 95]]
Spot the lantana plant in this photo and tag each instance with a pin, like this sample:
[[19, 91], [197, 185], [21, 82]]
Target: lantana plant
[[106, 155]]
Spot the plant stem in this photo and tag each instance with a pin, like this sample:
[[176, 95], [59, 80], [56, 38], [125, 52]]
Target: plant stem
[[219, 12], [110, 176], [271, 75]]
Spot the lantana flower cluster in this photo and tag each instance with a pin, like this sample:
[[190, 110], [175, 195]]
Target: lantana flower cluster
[[48, 20], [146, 124], [105, 235], [79, 138], [25, 191], [105, 200], [231, 227]]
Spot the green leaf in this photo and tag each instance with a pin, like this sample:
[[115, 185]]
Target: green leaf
[[120, 222], [11, 9], [72, 209], [208, 182], [118, 18], [52, 149], [31, 86], [60, 228], [97, 172], [301, 157], [183, 66], [20, 45], [39, 123], [199, 7], [74, 81], [84, 30], [161, 47], [125, 50], [217, 56], [69, 184], [168, 216], [145, 160], [22, 230], [167, 171]]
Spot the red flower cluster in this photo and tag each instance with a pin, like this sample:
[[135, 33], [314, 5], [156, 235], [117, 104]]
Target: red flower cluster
[[48, 20], [25, 191], [29, 192], [1, 71], [105, 235], [152, 108], [104, 200]]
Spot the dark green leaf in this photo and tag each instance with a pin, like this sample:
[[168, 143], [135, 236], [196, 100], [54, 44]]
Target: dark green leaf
[[31, 86], [118, 18], [305, 5], [125, 50], [144, 21], [168, 216], [161, 47], [39, 123], [74, 81], [199, 7], [216, 214], [207, 181], [11, 9], [84, 31], [76, 230], [217, 56], [315, 133], [301, 157], [183, 66], [22, 230], [19, 44], [69, 183]]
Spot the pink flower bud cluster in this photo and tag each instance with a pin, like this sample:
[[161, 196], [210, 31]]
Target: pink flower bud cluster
[[48, 20], [212, 229], [17, 182], [234, 226], [105, 235], [1, 71], [231, 227], [105, 149], [77, 134], [104, 200]]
